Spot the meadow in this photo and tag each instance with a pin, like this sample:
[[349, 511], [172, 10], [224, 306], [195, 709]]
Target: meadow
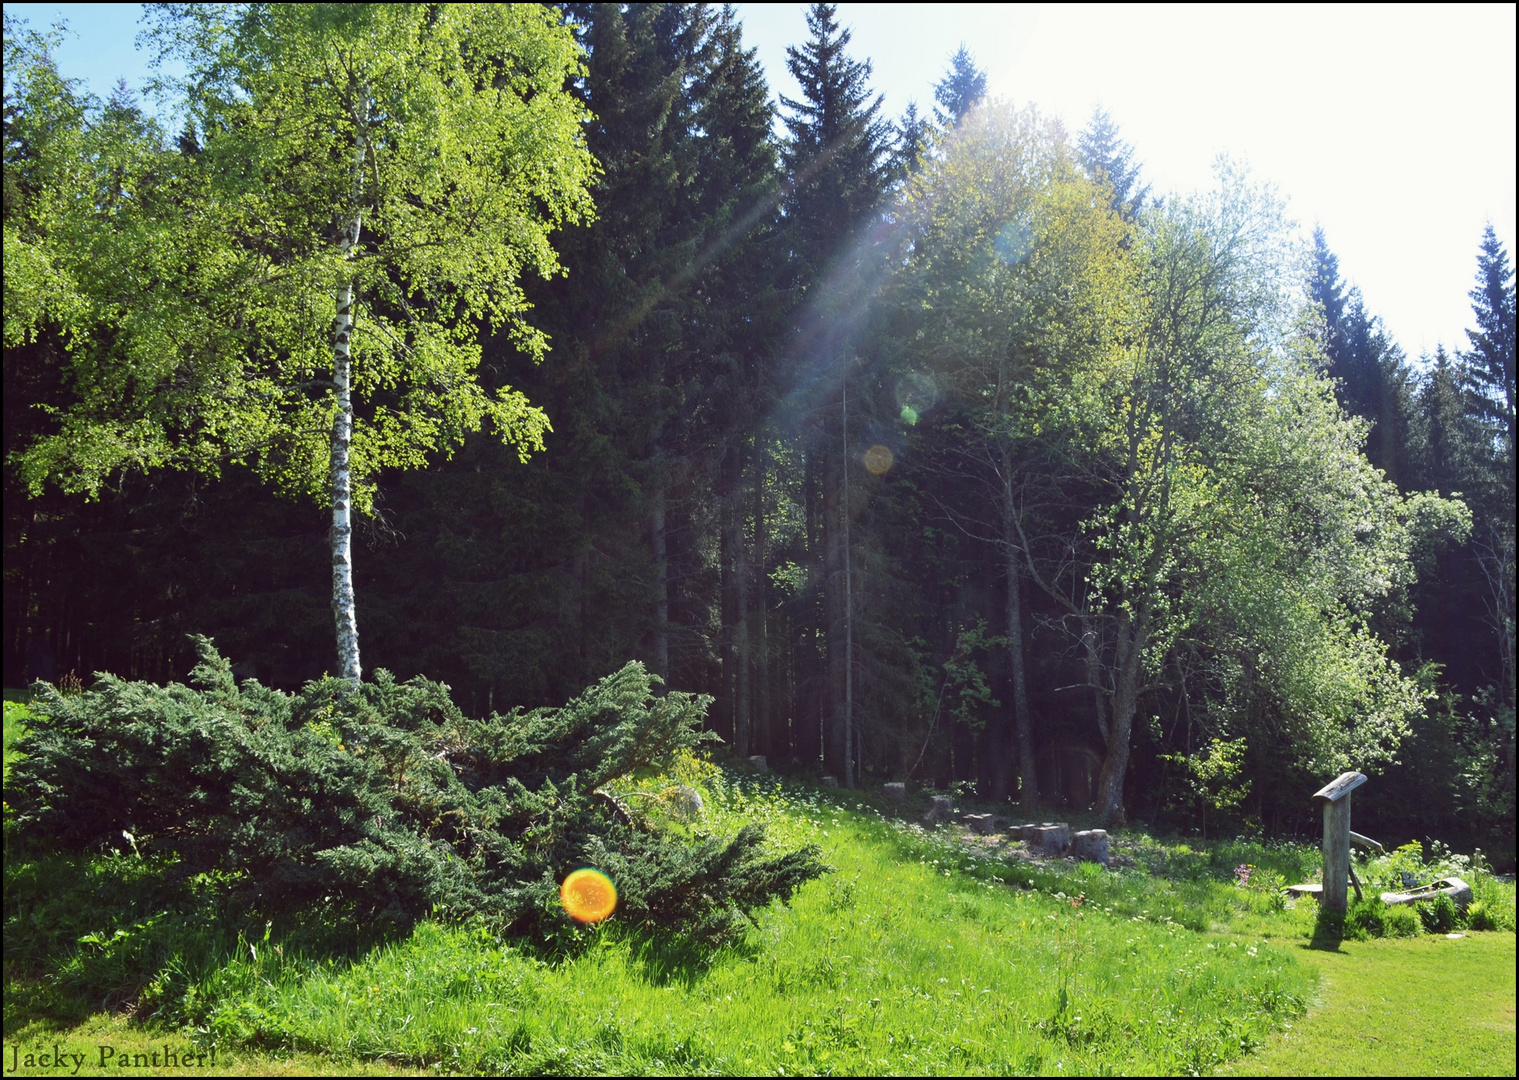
[[925, 951]]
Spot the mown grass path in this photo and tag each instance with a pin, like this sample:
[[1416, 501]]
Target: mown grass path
[[1430, 1006]]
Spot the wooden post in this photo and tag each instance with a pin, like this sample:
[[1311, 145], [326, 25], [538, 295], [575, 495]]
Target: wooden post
[[1336, 799]]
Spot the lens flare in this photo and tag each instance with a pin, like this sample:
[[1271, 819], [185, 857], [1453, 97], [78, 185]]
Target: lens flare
[[916, 392], [588, 895], [1014, 242], [878, 459]]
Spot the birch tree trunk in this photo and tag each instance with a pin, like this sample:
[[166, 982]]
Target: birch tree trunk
[[342, 487], [341, 537]]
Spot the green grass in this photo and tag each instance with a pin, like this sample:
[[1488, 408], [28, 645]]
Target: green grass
[[924, 952], [16, 716], [895, 964], [1427, 1007]]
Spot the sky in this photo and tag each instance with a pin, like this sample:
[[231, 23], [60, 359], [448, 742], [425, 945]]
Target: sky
[[1391, 126]]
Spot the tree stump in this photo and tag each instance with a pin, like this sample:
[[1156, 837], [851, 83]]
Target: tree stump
[[1091, 845], [830, 781], [1053, 838], [939, 810], [895, 792], [758, 761], [979, 823]]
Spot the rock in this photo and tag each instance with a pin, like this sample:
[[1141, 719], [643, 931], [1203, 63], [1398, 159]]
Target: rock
[[1090, 846], [939, 810], [684, 801], [830, 781], [1052, 838], [894, 792], [979, 823], [758, 761]]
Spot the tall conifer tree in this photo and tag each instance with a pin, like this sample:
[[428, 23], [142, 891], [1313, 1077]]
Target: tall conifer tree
[[838, 164], [1373, 378], [961, 89], [1104, 155]]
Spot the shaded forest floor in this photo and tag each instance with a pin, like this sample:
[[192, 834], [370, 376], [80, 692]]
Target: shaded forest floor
[[926, 951]]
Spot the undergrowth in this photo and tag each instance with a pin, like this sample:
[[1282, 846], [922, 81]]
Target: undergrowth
[[925, 951]]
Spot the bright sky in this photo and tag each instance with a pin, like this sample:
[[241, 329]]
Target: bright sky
[[1391, 126]]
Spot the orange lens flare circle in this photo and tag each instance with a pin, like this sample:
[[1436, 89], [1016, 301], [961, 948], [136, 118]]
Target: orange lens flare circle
[[588, 895], [878, 459]]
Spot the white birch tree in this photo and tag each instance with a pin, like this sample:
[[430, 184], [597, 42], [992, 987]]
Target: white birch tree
[[303, 288]]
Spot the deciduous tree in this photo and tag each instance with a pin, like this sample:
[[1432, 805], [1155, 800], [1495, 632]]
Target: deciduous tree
[[304, 291]]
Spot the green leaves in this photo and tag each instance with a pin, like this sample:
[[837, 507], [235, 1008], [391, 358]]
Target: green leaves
[[195, 289]]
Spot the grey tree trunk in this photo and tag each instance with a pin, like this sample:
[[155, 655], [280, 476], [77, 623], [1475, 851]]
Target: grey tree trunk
[[730, 556], [1091, 647], [1128, 651], [832, 527], [660, 554], [1028, 774], [848, 608], [742, 736], [762, 740]]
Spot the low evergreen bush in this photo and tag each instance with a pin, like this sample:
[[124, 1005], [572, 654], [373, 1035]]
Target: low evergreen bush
[[383, 802]]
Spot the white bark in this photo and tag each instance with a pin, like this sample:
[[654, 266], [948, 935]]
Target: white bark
[[342, 490], [343, 612]]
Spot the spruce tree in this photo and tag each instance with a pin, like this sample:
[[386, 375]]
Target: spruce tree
[[839, 164], [1490, 362], [1327, 290], [733, 345], [1488, 375], [962, 87], [913, 132], [1373, 380], [838, 152], [1104, 154]]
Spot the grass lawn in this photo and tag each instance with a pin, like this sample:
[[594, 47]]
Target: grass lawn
[[16, 715], [1430, 1006], [924, 952]]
